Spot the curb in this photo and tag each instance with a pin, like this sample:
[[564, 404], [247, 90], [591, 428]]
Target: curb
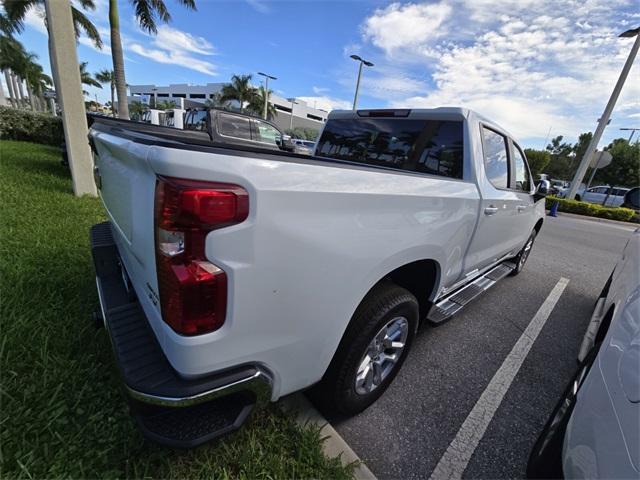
[[333, 445], [598, 219]]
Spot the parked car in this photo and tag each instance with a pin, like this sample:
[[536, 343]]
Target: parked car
[[614, 196], [632, 199], [237, 128], [594, 431], [559, 187], [305, 147], [230, 275]]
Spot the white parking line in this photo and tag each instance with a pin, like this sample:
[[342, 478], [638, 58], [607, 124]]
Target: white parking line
[[456, 458]]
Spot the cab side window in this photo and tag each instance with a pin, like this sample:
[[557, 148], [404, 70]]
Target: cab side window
[[234, 126], [523, 182], [496, 159]]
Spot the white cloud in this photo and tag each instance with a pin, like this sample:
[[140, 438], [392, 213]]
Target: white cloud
[[527, 71], [327, 103], [173, 39], [259, 6], [401, 26], [174, 57], [35, 19]]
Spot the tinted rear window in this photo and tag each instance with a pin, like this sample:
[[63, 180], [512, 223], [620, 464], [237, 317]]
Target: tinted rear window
[[425, 146]]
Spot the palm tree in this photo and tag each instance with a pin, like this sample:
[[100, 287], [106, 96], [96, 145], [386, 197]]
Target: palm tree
[[256, 104], [216, 101], [16, 12], [239, 89], [147, 13], [137, 109], [107, 76], [86, 78]]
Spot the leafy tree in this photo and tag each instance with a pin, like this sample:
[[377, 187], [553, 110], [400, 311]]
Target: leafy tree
[[239, 89], [137, 109], [165, 105], [303, 133], [107, 76], [147, 13], [624, 169], [16, 11], [216, 102], [538, 161], [256, 104], [86, 78]]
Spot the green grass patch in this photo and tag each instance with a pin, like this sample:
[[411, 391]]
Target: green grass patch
[[591, 209], [62, 412]]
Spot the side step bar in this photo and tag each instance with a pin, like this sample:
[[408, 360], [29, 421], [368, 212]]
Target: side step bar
[[451, 304]]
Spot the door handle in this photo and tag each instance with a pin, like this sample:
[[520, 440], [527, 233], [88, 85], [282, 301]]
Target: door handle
[[490, 210], [521, 208]]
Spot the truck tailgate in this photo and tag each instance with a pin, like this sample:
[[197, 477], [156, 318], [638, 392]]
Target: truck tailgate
[[126, 184]]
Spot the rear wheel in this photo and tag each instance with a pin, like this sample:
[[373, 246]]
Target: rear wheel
[[372, 350], [523, 256]]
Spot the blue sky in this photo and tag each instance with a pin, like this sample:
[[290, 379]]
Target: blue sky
[[534, 66]]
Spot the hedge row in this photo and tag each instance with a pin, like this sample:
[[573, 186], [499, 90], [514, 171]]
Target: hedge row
[[591, 209], [30, 126]]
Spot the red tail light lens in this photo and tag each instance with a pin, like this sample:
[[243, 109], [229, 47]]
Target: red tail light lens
[[193, 291]]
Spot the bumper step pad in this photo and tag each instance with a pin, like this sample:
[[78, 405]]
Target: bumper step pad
[[169, 409], [445, 308]]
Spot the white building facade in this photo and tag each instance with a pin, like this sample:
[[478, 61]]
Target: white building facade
[[289, 112]]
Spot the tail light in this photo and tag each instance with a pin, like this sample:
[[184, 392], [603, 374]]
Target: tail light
[[193, 291]]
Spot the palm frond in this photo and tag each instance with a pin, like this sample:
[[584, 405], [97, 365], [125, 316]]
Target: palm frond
[[81, 22], [145, 15]]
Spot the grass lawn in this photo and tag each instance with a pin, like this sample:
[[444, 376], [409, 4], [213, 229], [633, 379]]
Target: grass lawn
[[62, 412]]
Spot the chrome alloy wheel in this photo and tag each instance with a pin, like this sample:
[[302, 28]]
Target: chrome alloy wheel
[[381, 355]]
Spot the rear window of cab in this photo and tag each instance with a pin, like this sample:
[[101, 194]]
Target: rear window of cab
[[424, 146]]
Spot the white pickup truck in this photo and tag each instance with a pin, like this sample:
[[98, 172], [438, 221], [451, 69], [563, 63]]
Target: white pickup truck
[[230, 276]]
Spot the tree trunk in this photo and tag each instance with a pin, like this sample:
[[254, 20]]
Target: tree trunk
[[12, 95], [113, 99], [3, 99], [118, 60], [14, 83], [32, 99], [21, 89]]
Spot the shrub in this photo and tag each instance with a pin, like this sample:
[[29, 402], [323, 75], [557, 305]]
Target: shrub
[[30, 126], [591, 209]]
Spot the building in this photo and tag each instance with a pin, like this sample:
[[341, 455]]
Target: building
[[303, 115]]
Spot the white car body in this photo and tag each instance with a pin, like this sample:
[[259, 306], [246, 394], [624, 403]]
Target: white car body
[[603, 435], [614, 197], [319, 235]]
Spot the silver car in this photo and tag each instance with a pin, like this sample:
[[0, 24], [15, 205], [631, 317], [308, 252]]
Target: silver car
[[594, 431], [613, 196]]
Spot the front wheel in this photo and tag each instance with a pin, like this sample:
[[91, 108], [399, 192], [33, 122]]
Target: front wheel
[[372, 350], [523, 256]]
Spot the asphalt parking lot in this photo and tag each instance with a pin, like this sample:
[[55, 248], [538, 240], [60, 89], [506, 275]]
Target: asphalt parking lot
[[407, 432]]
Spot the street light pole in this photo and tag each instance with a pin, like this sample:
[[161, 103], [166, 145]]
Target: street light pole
[[368, 64], [293, 102], [633, 132], [266, 92], [604, 119]]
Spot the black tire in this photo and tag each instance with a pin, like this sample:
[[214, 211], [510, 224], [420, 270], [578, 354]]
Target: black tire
[[523, 256], [384, 304], [545, 459], [578, 198]]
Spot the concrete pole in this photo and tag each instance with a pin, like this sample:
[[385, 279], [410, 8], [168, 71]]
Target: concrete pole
[[69, 92], [604, 119], [266, 97], [293, 102], [355, 98], [3, 100]]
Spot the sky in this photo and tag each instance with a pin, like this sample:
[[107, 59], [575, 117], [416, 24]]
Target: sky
[[539, 68]]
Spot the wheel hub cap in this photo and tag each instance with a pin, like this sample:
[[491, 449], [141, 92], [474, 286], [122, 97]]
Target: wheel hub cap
[[381, 355]]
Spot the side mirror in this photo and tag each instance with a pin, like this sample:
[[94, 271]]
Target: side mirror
[[542, 190]]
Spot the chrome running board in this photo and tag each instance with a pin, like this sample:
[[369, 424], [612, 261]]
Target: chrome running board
[[450, 304]]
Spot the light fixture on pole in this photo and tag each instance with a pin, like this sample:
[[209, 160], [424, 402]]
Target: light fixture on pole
[[293, 102], [266, 92], [604, 119], [633, 131], [362, 62]]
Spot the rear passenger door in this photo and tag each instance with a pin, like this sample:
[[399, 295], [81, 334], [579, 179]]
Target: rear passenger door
[[498, 232]]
